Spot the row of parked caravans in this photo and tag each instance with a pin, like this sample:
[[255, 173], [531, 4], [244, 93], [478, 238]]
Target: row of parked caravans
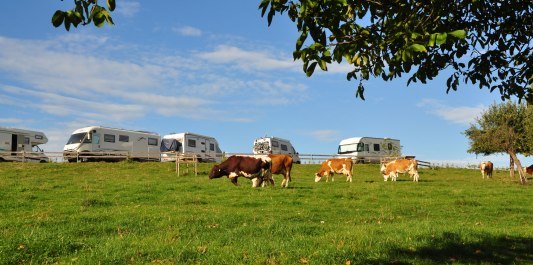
[[148, 146]]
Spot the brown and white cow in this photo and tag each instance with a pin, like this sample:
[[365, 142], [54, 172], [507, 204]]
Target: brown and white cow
[[252, 168], [281, 164], [335, 165], [529, 170], [401, 165], [486, 168]]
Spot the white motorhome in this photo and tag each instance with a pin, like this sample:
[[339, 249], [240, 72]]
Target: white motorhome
[[275, 145], [22, 145], [116, 144], [205, 148], [369, 149]]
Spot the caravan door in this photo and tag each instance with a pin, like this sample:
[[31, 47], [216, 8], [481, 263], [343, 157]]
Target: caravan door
[[210, 150], [95, 142]]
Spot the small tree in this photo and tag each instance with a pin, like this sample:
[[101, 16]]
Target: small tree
[[503, 128]]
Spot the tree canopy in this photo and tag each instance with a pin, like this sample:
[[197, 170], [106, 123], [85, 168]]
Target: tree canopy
[[487, 43], [503, 128], [84, 12]]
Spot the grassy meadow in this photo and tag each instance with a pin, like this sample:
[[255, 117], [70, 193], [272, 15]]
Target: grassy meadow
[[138, 213]]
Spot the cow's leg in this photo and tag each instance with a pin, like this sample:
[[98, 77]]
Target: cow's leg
[[348, 174], [415, 177], [234, 181], [256, 182], [268, 177], [286, 179]]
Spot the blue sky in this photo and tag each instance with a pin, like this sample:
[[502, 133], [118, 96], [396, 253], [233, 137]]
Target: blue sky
[[213, 68]]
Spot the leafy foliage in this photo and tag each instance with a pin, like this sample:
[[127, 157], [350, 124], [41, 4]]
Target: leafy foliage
[[84, 12], [484, 42]]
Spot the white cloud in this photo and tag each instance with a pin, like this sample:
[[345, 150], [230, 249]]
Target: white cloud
[[460, 115], [11, 120], [247, 60], [109, 86], [128, 8], [325, 135], [188, 31]]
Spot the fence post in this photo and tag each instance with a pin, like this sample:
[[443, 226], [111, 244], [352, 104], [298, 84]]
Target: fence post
[[177, 164]]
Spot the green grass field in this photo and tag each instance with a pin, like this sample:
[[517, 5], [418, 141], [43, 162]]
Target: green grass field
[[117, 213]]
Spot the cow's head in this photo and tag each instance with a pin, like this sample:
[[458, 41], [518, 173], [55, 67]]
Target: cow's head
[[216, 172], [318, 177], [383, 168]]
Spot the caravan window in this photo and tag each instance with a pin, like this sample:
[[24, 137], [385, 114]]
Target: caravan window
[[77, 138], [26, 140], [347, 148], [275, 144], [366, 147], [284, 147], [152, 141], [38, 137], [360, 147], [389, 146], [212, 147], [109, 138], [191, 143], [123, 138], [376, 147]]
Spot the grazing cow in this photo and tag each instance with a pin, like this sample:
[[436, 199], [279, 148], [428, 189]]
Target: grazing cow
[[529, 170], [336, 165], [281, 164], [402, 165], [252, 168], [486, 169]]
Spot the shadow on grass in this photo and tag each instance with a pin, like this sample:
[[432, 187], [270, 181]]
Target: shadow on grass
[[451, 248]]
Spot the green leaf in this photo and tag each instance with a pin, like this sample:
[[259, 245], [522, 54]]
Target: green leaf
[[417, 48], [111, 5], [67, 23], [441, 38], [57, 18], [323, 65], [301, 40], [460, 34], [432, 39], [107, 16], [311, 69], [98, 19]]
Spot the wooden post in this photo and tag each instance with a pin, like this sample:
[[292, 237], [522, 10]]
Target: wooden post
[[177, 164], [195, 166]]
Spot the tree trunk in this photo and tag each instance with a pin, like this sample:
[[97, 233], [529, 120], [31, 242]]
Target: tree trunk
[[521, 171], [511, 166]]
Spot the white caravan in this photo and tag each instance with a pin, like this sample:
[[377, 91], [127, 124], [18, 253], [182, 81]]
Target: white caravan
[[205, 148], [22, 145], [275, 145], [116, 144], [369, 149]]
